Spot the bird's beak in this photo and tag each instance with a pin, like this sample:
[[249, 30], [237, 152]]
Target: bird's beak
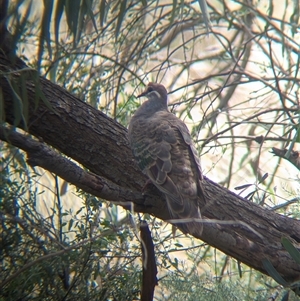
[[141, 95]]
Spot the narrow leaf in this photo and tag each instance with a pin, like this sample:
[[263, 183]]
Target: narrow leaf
[[25, 101], [205, 14], [18, 105], [20, 27], [80, 21], [273, 273], [90, 13], [263, 177], [173, 10], [121, 16], [102, 12], [71, 221], [45, 31], [178, 245], [240, 269], [39, 94], [59, 9], [48, 8], [291, 249], [2, 112], [242, 187], [72, 9]]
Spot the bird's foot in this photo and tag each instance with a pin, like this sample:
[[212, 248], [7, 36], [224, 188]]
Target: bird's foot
[[145, 187]]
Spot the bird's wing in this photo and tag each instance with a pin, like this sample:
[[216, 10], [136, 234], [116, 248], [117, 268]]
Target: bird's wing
[[164, 151], [151, 141]]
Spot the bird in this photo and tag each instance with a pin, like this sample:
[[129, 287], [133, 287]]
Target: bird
[[164, 151]]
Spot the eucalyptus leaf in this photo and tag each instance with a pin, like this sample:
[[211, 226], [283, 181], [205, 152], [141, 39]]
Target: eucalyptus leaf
[[59, 9], [122, 13], [291, 249], [273, 273]]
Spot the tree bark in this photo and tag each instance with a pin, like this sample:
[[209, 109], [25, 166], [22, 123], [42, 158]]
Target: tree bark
[[239, 228]]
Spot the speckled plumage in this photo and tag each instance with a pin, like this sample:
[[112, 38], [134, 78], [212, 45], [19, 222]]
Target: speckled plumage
[[163, 148]]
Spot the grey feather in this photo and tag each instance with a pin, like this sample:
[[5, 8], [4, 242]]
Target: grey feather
[[163, 148]]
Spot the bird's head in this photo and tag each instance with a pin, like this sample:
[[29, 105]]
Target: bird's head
[[155, 92]]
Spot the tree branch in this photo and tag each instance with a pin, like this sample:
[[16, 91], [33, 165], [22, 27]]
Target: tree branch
[[294, 157], [100, 144], [39, 154], [149, 280]]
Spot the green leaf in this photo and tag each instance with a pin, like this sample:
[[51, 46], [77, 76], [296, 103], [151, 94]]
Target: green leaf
[[242, 186], [72, 9], [121, 16], [2, 113], [18, 105], [291, 249], [270, 9], [173, 10], [294, 18], [21, 25], [39, 94], [205, 14], [273, 273], [263, 178], [240, 269], [25, 101], [178, 245], [189, 114], [298, 133], [79, 210], [80, 21], [89, 6], [48, 8], [175, 263], [59, 9], [45, 31], [71, 221], [102, 12]]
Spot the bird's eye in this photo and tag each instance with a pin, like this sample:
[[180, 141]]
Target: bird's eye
[[150, 89]]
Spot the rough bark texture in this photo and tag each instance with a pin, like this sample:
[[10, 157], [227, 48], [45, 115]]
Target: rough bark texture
[[149, 280], [251, 234]]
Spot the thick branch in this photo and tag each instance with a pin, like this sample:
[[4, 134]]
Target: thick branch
[[39, 154], [100, 144]]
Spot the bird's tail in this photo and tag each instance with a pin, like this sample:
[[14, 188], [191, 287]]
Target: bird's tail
[[187, 218], [195, 225]]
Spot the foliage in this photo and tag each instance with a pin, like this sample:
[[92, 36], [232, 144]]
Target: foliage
[[238, 90], [89, 255], [44, 257]]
